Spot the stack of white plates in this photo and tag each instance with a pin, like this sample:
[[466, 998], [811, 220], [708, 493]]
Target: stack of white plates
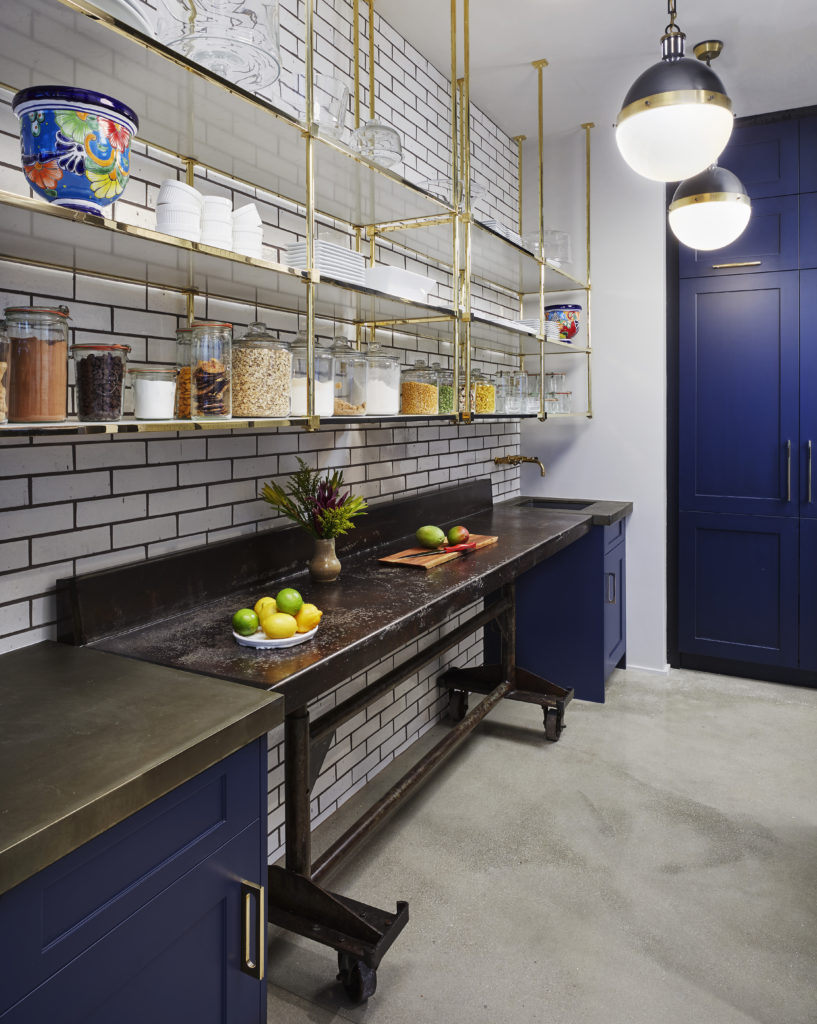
[[551, 328], [330, 259], [500, 229]]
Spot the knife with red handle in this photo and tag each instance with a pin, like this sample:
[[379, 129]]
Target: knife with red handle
[[465, 548]]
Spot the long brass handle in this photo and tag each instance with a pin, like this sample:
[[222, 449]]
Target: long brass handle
[[808, 444], [788, 470], [611, 591], [745, 263], [250, 893]]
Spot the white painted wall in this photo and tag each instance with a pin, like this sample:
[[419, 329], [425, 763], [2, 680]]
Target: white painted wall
[[621, 452]]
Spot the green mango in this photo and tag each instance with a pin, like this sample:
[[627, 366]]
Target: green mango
[[430, 537]]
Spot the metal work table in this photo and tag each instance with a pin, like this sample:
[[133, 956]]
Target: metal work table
[[372, 610], [88, 738]]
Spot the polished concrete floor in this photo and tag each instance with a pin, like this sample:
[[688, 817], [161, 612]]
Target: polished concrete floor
[[657, 865]]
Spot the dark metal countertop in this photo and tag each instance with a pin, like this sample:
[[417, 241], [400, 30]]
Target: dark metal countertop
[[88, 738], [372, 609], [601, 512]]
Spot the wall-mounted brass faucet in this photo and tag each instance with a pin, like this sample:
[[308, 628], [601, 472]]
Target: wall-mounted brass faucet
[[514, 460]]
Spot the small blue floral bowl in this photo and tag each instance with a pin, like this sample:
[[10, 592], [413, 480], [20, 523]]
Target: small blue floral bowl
[[75, 145]]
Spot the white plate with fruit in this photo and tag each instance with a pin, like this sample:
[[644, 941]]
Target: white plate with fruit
[[281, 621]]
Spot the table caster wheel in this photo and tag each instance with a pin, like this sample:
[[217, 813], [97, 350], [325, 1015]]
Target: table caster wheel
[[359, 981], [553, 725]]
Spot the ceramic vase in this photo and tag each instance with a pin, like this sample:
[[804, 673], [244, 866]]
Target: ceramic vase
[[324, 566]]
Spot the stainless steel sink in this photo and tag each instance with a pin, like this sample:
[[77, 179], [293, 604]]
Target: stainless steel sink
[[555, 504]]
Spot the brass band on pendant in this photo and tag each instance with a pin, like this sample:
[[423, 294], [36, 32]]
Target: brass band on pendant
[[676, 97], [710, 197]]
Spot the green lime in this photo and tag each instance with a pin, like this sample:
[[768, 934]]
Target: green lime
[[288, 601], [245, 622]]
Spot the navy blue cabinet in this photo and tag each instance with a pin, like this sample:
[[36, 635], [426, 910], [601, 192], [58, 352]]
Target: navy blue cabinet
[[571, 613], [808, 155], [766, 158], [738, 587], [146, 922], [808, 396], [738, 399], [808, 594]]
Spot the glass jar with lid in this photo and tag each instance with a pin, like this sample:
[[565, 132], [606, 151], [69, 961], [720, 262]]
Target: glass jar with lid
[[324, 379], [210, 370], [262, 374], [38, 364], [501, 382], [383, 387], [517, 393], [351, 378], [445, 383], [532, 396], [484, 393], [419, 392], [154, 391], [4, 373], [183, 341], [99, 372]]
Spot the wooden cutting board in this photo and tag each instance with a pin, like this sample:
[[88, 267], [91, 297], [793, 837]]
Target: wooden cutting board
[[436, 557]]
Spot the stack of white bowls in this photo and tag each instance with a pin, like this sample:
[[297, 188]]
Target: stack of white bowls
[[217, 221], [178, 210], [248, 233]]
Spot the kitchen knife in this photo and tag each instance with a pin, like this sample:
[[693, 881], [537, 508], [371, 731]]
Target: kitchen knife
[[465, 548]]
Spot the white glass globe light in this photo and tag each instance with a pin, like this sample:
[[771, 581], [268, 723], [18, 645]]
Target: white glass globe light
[[709, 210]]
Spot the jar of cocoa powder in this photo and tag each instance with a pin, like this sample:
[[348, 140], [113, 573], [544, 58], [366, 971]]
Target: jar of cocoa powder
[[100, 380], [38, 358]]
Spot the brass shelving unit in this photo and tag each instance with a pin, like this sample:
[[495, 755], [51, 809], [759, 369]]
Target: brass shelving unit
[[203, 121]]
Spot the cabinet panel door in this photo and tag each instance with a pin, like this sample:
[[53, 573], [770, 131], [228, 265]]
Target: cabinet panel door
[[765, 157], [808, 594], [738, 394], [768, 243], [808, 154], [808, 393], [808, 230], [177, 959], [615, 608], [738, 587]]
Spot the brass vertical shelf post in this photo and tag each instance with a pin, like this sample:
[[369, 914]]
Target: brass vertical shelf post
[[588, 292], [519, 139], [540, 66], [309, 136], [455, 202], [465, 163]]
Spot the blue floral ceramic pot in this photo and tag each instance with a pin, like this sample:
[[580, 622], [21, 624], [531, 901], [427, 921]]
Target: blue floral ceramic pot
[[75, 145], [567, 316]]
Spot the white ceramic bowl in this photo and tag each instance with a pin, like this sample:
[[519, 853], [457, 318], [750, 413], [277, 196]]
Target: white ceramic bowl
[[217, 208], [173, 216], [262, 642], [180, 195], [246, 217]]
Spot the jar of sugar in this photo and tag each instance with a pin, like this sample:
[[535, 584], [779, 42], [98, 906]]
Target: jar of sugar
[[154, 391]]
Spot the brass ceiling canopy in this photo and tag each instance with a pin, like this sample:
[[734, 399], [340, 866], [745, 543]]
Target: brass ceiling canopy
[[708, 50]]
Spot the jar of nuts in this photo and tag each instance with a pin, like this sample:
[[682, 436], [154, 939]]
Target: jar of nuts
[[211, 366], [262, 370], [419, 393]]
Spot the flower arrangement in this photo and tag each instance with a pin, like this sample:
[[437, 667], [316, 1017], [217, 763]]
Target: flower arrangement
[[316, 504]]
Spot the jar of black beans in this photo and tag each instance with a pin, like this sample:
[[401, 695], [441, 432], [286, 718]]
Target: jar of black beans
[[100, 378]]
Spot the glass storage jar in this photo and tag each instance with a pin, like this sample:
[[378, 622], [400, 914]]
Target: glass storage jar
[[484, 393], [419, 393], [154, 391], [383, 387], [532, 396], [324, 379], [211, 370], [555, 381], [262, 374], [183, 340], [38, 364], [501, 386], [99, 374], [445, 383], [517, 393], [4, 372], [461, 391], [351, 377]]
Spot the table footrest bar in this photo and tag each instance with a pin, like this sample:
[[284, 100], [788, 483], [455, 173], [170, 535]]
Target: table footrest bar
[[302, 906], [387, 804], [528, 687]]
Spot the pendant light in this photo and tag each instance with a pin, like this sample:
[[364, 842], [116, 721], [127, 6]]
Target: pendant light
[[709, 210], [676, 118]]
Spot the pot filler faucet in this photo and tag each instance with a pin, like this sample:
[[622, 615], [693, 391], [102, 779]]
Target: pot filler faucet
[[514, 460]]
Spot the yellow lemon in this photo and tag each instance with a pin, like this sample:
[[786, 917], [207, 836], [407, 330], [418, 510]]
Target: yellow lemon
[[308, 617], [279, 625], [264, 606]]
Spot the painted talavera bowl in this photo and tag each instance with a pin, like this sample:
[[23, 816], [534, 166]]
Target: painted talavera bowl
[[567, 316], [75, 145]]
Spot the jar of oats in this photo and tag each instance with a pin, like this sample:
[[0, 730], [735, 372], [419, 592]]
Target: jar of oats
[[262, 370], [419, 393]]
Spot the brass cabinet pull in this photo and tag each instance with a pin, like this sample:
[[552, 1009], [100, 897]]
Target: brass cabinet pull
[[788, 470], [808, 445], [746, 263], [611, 588], [253, 967]]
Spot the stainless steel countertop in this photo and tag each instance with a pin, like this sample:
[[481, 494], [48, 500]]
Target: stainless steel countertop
[[88, 738]]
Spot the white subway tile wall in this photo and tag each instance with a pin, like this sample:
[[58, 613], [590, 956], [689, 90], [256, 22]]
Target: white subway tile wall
[[71, 504]]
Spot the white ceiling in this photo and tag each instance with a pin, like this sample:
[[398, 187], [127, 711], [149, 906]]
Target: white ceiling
[[595, 51]]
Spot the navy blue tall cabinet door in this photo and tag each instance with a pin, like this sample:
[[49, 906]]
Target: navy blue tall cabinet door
[[808, 394], [808, 594], [738, 394], [738, 587]]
